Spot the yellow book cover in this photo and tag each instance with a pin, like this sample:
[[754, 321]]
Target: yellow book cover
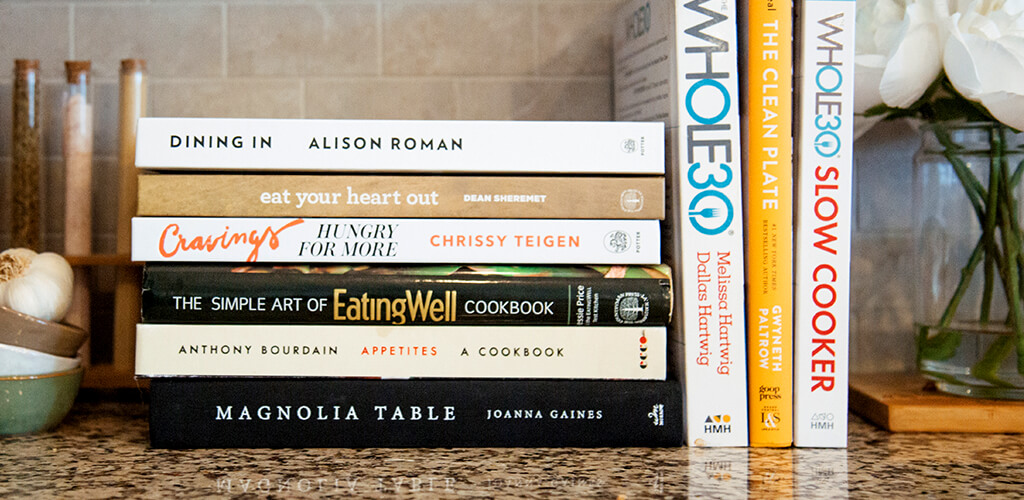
[[769, 197]]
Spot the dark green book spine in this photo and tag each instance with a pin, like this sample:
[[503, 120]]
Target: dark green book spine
[[438, 295]]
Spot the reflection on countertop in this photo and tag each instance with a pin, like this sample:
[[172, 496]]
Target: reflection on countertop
[[101, 451]]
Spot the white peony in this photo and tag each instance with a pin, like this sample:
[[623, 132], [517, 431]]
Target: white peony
[[904, 45], [898, 52], [984, 56]]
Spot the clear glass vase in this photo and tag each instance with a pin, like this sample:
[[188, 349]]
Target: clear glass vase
[[969, 259]]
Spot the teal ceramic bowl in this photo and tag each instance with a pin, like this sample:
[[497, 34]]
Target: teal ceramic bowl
[[35, 403]]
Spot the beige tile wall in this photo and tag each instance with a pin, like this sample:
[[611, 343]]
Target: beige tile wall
[[429, 59]]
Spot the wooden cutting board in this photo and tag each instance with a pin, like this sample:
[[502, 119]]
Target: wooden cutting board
[[901, 402]]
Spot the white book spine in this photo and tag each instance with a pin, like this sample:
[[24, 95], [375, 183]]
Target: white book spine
[[709, 173], [332, 240], [699, 65], [823, 224], [561, 352], [400, 145]]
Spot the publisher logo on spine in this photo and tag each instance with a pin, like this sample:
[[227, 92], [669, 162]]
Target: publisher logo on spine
[[617, 242], [770, 419], [631, 308], [631, 145], [823, 421], [631, 200], [657, 415], [643, 351], [718, 424]]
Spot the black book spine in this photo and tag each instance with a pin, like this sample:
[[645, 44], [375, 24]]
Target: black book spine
[[269, 295], [362, 413]]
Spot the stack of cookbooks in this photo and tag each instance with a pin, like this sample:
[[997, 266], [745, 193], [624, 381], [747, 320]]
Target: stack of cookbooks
[[364, 283]]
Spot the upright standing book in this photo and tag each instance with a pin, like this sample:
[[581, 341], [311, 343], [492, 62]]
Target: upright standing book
[[768, 147], [266, 144], [824, 222], [677, 62]]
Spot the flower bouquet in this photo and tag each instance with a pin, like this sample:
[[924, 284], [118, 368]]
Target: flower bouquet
[[958, 68]]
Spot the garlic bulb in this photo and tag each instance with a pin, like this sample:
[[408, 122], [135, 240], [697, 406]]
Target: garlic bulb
[[35, 284]]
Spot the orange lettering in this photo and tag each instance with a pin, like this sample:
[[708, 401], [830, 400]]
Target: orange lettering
[[226, 240]]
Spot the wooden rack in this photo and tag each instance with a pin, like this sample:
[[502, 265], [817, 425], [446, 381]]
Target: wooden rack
[[120, 373]]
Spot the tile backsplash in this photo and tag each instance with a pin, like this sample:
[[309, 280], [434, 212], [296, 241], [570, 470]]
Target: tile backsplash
[[421, 59]]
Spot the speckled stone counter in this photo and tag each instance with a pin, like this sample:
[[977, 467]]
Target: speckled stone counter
[[101, 451]]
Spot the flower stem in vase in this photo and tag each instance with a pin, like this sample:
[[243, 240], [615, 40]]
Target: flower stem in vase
[[987, 368], [1000, 194], [1011, 239], [998, 249], [945, 343], [984, 203], [1015, 234], [988, 221]]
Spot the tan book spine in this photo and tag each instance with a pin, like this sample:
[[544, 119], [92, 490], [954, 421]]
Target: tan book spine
[[525, 197]]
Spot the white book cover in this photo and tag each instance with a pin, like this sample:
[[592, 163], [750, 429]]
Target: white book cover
[[677, 62], [823, 224], [559, 352], [344, 240], [254, 144]]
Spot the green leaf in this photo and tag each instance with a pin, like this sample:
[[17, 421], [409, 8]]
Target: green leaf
[[987, 368], [879, 109], [940, 347]]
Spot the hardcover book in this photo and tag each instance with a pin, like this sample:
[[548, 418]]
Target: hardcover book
[[677, 62], [353, 413], [824, 223], [768, 130], [378, 295], [434, 196], [566, 352], [394, 146], [354, 240]]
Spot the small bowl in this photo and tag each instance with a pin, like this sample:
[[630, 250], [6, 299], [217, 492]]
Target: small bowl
[[18, 361], [20, 329], [34, 403]]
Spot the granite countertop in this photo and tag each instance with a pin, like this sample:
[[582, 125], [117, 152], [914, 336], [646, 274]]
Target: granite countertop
[[101, 451]]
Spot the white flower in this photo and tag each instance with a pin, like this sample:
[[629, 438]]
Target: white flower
[[898, 50], [984, 57]]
